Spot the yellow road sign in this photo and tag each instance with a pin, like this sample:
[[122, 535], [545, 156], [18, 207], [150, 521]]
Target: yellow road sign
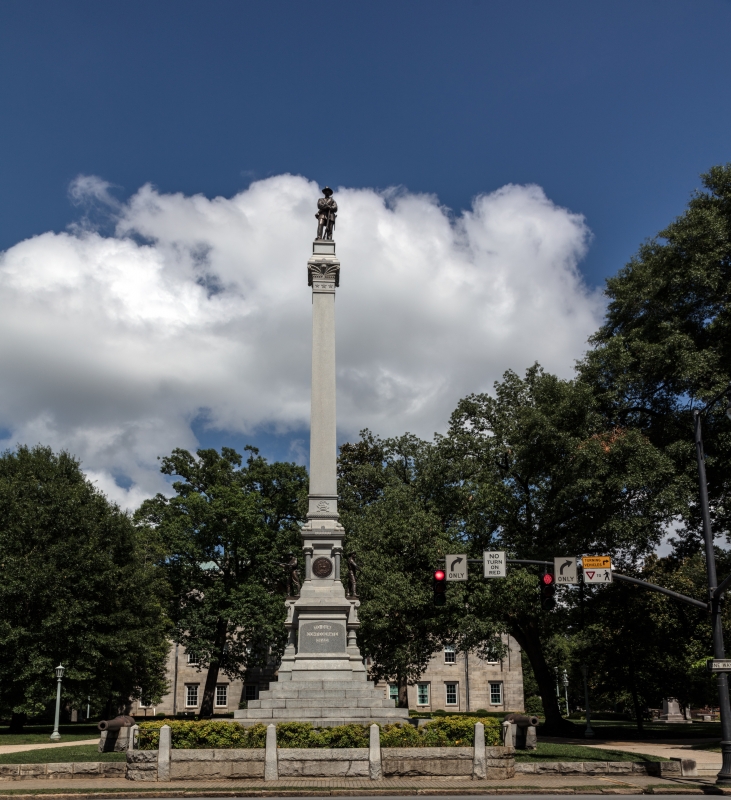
[[596, 562]]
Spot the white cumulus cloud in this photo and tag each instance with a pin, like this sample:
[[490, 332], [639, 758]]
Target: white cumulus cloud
[[110, 345]]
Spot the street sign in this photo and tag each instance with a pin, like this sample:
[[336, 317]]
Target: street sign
[[718, 665], [494, 561], [596, 562], [457, 567], [564, 570], [597, 575]]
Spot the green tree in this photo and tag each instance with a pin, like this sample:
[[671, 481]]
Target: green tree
[[543, 474], [225, 534], [665, 347], [393, 501], [79, 587]]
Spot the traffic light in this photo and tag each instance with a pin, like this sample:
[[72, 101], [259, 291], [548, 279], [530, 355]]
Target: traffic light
[[440, 588], [548, 591]]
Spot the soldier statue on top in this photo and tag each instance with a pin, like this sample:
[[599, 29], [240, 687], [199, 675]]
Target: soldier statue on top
[[326, 212]]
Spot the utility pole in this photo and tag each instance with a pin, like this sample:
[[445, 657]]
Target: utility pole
[[714, 596]]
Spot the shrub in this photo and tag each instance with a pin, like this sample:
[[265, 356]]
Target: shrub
[[202, 735], [447, 731], [533, 705], [304, 734]]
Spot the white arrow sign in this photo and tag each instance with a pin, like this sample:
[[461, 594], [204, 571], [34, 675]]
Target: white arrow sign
[[564, 570], [456, 567]]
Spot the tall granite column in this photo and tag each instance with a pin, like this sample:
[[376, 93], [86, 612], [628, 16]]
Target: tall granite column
[[323, 276]]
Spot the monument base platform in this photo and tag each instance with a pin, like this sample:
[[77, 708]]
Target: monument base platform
[[324, 703]]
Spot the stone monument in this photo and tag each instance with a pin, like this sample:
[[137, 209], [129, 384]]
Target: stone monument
[[322, 678]]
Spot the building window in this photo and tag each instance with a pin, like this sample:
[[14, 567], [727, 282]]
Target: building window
[[192, 659], [450, 656], [496, 694], [393, 691], [422, 694], [451, 688], [191, 695], [252, 691], [222, 694]]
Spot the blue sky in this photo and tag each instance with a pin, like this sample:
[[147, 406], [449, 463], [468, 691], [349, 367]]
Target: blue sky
[[613, 108]]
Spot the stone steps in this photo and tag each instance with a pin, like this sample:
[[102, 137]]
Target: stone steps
[[285, 692], [360, 714]]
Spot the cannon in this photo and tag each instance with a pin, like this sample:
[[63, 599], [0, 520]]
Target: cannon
[[116, 734], [519, 731]]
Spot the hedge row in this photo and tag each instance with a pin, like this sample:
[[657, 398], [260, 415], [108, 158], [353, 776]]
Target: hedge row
[[209, 734]]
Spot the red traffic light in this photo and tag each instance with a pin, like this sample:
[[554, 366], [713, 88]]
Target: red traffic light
[[439, 575], [547, 579]]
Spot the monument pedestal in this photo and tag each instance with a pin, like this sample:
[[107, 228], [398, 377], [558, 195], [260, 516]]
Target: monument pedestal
[[322, 678]]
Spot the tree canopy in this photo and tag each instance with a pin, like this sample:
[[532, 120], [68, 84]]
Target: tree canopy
[[224, 535], [79, 587], [665, 347]]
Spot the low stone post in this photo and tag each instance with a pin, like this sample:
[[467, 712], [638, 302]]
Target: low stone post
[[531, 740], [163, 754], [479, 764], [509, 734], [132, 737], [375, 771], [271, 768]]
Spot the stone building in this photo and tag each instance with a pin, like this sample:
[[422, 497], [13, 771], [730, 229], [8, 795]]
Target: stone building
[[452, 682], [455, 681]]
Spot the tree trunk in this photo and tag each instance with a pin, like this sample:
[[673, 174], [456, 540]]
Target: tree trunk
[[210, 689], [403, 693], [209, 692], [635, 698], [526, 635], [17, 722]]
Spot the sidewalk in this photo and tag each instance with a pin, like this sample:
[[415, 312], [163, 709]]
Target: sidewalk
[[707, 761], [20, 748], [521, 784]]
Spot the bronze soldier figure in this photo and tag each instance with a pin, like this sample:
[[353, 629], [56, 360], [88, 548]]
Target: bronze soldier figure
[[352, 567], [326, 213], [293, 578]]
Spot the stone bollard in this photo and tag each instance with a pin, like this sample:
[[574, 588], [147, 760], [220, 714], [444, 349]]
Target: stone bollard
[[163, 754], [531, 740], [375, 771], [509, 729], [479, 763], [271, 768], [134, 732]]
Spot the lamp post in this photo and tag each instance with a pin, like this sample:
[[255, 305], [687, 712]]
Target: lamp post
[[724, 776], [565, 681], [558, 690], [588, 731], [55, 736]]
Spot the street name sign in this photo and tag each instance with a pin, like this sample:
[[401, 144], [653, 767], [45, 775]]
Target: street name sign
[[718, 665], [597, 575], [564, 570], [596, 562], [494, 561], [456, 567]]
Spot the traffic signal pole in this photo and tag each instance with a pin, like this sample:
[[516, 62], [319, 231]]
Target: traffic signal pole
[[715, 593]]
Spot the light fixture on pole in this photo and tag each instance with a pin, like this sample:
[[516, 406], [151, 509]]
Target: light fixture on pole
[[55, 736], [565, 682], [715, 592], [588, 731]]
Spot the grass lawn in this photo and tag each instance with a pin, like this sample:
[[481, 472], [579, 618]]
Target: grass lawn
[[548, 751], [40, 734], [627, 731], [56, 755]]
